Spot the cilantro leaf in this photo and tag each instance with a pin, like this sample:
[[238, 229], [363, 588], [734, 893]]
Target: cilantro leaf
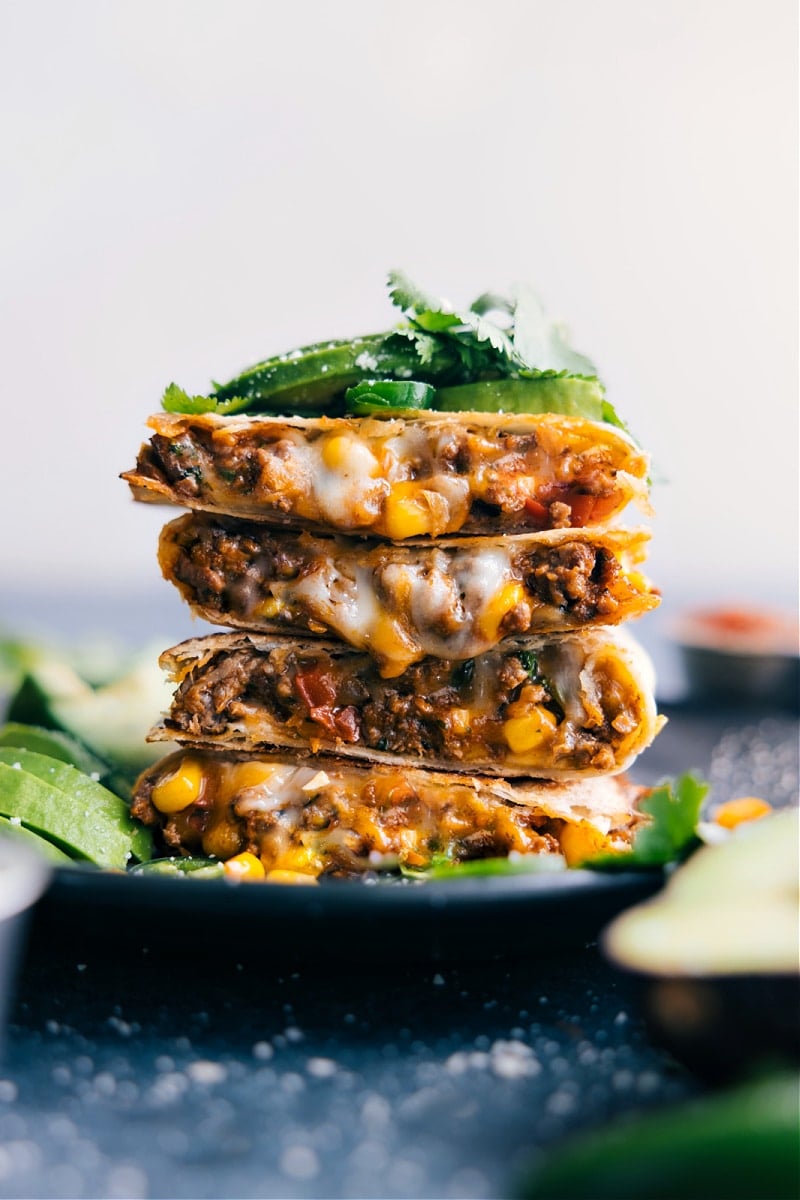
[[541, 344], [434, 315], [442, 867], [176, 400], [529, 342], [492, 302], [671, 833], [406, 296]]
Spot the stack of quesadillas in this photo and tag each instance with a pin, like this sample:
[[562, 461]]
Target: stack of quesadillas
[[426, 662]]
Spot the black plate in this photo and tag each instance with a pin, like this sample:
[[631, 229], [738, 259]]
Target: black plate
[[343, 920]]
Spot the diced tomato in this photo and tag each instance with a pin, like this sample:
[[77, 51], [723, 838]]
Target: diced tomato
[[581, 507], [339, 722], [347, 723], [324, 716], [603, 507], [537, 512], [315, 688]]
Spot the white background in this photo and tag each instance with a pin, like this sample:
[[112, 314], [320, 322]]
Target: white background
[[190, 185]]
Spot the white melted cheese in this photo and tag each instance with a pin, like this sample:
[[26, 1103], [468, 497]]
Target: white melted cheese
[[285, 787], [347, 605], [481, 574], [348, 494], [438, 603]]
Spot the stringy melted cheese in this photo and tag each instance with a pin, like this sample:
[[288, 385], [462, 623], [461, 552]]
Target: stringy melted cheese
[[437, 609], [346, 820]]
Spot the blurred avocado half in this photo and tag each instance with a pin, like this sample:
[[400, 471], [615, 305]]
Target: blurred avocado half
[[717, 952]]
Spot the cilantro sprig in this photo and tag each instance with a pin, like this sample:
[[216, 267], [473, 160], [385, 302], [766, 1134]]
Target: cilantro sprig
[[670, 834], [500, 354], [523, 343]]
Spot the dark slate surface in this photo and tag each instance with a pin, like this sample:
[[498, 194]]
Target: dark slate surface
[[208, 1067], [199, 1070]]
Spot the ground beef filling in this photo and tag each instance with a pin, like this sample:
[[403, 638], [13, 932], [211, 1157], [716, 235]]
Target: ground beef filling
[[351, 826], [514, 484], [424, 713], [229, 569]]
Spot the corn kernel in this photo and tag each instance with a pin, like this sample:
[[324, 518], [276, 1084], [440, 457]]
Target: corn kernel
[[282, 876], [737, 812], [296, 858], [336, 451], [580, 842], [268, 608], [244, 867], [389, 643], [524, 734], [490, 620], [222, 839], [405, 515], [414, 859], [250, 775], [459, 721], [180, 789]]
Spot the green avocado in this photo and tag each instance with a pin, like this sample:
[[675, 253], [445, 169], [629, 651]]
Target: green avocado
[[568, 395], [111, 720], [14, 831], [68, 808], [54, 744], [716, 952], [740, 1145]]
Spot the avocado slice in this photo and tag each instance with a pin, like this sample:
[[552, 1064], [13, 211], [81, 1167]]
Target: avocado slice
[[732, 909], [111, 720], [716, 952], [742, 1145], [15, 832], [569, 395], [66, 807], [54, 744]]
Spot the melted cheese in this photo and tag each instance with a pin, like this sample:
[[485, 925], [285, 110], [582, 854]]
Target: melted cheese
[[436, 607], [359, 819]]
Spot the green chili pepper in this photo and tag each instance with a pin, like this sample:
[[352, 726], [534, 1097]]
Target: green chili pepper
[[196, 868], [383, 395]]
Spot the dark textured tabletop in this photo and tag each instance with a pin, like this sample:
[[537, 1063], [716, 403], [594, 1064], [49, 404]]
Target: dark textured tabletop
[[149, 1057], [189, 1066]]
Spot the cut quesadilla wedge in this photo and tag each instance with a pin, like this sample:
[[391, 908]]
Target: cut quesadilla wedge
[[337, 818], [557, 708], [455, 598], [422, 474]]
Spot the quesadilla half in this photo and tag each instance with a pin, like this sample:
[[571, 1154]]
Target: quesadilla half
[[557, 708], [425, 474], [455, 599], [338, 818]]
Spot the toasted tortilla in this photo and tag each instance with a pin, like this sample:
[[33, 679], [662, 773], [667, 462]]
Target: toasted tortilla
[[398, 478], [555, 707], [332, 817], [453, 598]]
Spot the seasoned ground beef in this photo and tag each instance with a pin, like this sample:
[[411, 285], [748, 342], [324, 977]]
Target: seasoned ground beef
[[440, 599], [283, 693], [500, 474]]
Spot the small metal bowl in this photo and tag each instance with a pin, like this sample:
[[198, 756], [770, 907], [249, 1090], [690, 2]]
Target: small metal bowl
[[736, 656], [23, 878]]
